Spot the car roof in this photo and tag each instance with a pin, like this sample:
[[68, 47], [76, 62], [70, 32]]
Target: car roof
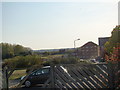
[[46, 67]]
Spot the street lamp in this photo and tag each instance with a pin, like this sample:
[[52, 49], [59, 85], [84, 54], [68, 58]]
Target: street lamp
[[74, 42]]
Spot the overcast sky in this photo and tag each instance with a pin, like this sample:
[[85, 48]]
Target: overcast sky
[[52, 25]]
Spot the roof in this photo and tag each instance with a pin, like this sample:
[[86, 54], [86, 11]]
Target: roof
[[89, 43]]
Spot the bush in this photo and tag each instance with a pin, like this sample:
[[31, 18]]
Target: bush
[[62, 60], [23, 61]]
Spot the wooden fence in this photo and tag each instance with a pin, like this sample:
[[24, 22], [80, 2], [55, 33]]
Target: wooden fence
[[114, 75], [83, 76]]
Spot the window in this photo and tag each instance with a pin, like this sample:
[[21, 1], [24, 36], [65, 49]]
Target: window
[[45, 71], [42, 71], [39, 72]]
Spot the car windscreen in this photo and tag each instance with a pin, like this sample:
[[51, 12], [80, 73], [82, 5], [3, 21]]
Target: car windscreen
[[41, 71]]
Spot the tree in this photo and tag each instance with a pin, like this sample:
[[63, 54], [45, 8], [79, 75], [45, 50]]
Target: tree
[[9, 50], [113, 41]]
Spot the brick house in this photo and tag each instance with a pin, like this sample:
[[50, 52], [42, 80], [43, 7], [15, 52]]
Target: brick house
[[90, 50], [102, 41]]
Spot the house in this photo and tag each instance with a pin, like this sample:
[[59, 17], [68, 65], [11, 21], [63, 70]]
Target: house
[[90, 50], [102, 41]]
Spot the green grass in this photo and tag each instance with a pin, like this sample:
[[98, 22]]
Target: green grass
[[17, 74], [51, 56]]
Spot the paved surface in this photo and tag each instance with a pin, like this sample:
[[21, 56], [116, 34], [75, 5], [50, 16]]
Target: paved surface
[[31, 88], [13, 82]]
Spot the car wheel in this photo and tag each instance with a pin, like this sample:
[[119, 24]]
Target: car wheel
[[27, 83]]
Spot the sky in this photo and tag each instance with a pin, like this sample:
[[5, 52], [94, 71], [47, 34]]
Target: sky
[[55, 25]]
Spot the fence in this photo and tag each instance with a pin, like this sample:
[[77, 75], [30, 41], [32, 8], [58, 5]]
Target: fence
[[80, 76], [114, 75], [83, 76], [6, 73]]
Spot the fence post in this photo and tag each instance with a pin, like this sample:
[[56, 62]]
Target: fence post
[[110, 75], [5, 78], [116, 75], [52, 76], [19, 85]]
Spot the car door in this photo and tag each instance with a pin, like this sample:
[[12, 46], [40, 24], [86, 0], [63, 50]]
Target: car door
[[45, 74], [34, 77], [40, 76]]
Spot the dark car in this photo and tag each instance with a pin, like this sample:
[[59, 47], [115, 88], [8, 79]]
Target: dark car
[[39, 76]]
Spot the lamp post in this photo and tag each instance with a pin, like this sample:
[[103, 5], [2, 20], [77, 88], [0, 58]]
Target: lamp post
[[74, 42], [75, 46]]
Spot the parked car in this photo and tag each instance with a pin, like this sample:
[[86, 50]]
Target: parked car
[[94, 61], [37, 77]]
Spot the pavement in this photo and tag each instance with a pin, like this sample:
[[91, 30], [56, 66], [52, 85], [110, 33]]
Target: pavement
[[14, 83]]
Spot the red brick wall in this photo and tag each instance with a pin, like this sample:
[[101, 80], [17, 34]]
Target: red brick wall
[[88, 51]]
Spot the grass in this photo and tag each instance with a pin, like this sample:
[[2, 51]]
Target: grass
[[17, 74], [52, 56]]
